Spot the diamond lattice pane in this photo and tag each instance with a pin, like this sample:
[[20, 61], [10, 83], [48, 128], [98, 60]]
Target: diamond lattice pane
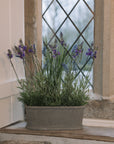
[[46, 31], [54, 16], [67, 4], [45, 4], [90, 4], [81, 15], [69, 31], [88, 33]]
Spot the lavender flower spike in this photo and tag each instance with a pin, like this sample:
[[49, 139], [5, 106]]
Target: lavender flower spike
[[91, 53], [9, 54]]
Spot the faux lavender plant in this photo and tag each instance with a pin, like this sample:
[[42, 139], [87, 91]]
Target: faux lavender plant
[[55, 82]]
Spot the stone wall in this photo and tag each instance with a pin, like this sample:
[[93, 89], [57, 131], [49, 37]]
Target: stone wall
[[99, 109]]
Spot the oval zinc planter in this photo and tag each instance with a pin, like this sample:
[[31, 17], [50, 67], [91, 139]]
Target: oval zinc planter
[[54, 118]]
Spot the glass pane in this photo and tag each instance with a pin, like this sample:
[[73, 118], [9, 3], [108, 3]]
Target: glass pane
[[54, 16], [81, 15], [45, 4], [67, 4], [46, 31], [88, 33], [91, 4], [69, 32]]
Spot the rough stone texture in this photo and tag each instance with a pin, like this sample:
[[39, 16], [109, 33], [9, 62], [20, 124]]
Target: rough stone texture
[[33, 24], [33, 29], [23, 142], [30, 21], [103, 109]]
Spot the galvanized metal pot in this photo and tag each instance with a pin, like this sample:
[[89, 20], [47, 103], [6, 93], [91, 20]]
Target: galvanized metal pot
[[54, 118]]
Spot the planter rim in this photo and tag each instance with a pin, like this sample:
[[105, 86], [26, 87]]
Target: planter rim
[[55, 107]]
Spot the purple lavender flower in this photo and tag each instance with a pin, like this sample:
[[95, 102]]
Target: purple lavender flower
[[62, 42], [94, 54], [54, 56], [20, 46], [30, 50], [76, 51], [91, 53], [62, 39], [58, 53], [21, 54], [55, 53], [20, 50], [54, 50], [24, 48], [61, 35], [9, 54]]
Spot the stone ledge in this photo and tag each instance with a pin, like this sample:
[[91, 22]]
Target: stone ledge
[[98, 123], [23, 142], [87, 133]]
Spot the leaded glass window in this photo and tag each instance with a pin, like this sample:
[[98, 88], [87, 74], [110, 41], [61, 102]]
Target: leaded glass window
[[75, 19]]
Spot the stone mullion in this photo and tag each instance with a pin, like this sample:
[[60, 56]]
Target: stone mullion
[[38, 14], [104, 34], [98, 38], [33, 28]]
